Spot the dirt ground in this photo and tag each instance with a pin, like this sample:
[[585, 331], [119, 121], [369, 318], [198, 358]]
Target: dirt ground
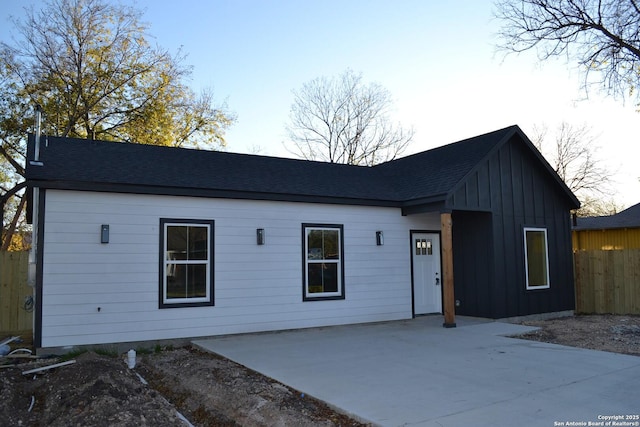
[[208, 390], [617, 334]]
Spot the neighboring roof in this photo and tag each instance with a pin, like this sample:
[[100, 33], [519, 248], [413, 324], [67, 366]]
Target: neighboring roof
[[110, 166], [628, 218]]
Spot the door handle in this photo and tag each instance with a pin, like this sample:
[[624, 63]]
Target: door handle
[[437, 281]]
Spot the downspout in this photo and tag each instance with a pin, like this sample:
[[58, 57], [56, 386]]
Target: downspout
[[36, 155], [35, 227], [33, 252]]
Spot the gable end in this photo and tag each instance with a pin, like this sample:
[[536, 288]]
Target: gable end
[[512, 171]]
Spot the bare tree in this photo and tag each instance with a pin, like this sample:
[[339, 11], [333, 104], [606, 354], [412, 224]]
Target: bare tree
[[572, 152], [603, 36], [342, 120]]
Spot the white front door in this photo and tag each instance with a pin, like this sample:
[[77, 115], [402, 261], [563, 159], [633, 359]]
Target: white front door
[[427, 280]]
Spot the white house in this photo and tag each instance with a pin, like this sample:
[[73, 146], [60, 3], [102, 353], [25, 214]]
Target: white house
[[138, 242]]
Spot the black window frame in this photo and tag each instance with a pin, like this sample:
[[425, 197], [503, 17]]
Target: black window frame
[[210, 261], [340, 294]]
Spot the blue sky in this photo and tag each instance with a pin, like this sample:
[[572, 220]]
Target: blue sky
[[436, 58]]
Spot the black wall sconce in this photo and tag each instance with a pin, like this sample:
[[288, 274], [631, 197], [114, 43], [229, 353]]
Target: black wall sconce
[[379, 238], [260, 236], [104, 233]]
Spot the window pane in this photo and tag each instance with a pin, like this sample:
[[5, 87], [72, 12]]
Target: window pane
[[536, 258], [176, 281], [196, 281], [186, 281], [323, 277], [315, 278], [314, 244], [176, 242], [330, 277], [331, 245], [323, 244], [197, 243]]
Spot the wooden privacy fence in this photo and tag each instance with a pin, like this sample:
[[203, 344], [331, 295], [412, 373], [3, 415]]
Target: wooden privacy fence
[[608, 281], [15, 312]]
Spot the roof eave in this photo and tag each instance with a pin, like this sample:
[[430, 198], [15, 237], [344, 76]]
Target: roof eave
[[601, 228], [208, 193], [434, 203]]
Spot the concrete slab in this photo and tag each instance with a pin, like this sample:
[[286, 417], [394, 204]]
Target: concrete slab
[[416, 373]]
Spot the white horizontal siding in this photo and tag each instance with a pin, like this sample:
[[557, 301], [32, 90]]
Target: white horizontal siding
[[99, 293]]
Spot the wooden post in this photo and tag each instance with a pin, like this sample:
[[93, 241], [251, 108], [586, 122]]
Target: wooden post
[[448, 301]]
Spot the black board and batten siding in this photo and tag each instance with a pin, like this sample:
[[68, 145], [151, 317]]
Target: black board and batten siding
[[491, 207]]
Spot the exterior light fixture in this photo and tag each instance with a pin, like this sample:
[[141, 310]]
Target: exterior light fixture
[[260, 236], [379, 238], [104, 233]]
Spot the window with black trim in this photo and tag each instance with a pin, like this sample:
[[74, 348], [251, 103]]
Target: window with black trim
[[322, 257], [536, 258], [186, 262]]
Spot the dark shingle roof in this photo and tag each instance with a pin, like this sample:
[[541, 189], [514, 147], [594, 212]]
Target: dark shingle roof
[[99, 165], [628, 218], [99, 162], [437, 171]]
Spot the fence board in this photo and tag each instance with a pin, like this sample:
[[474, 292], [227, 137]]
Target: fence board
[[632, 269], [14, 319], [608, 281]]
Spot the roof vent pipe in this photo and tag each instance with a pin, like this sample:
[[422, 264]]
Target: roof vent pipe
[[36, 154]]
